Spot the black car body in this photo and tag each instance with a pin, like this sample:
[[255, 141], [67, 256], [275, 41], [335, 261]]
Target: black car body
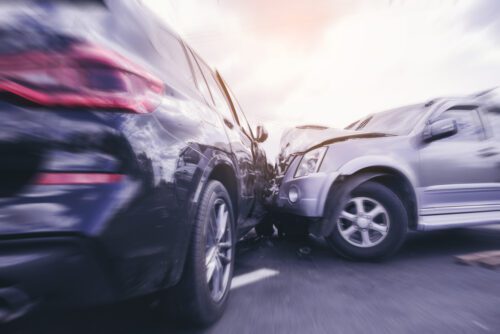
[[111, 127]]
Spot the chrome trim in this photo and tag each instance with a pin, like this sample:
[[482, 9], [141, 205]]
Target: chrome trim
[[466, 187]]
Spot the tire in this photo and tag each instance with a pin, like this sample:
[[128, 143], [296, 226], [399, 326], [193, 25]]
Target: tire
[[194, 301], [372, 225]]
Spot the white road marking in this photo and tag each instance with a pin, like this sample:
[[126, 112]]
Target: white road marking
[[252, 277], [480, 325]]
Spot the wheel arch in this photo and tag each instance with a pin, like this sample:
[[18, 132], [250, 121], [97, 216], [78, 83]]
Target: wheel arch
[[225, 174], [400, 184], [391, 177], [216, 166]]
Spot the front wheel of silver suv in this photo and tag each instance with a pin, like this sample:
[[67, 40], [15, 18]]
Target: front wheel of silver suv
[[372, 223]]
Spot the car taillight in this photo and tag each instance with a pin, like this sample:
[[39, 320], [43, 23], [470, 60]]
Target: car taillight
[[77, 178], [82, 76]]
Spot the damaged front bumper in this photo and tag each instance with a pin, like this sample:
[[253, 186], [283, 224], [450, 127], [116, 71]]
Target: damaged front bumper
[[304, 196]]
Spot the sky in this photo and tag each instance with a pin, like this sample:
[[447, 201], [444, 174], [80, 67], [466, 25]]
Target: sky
[[330, 62]]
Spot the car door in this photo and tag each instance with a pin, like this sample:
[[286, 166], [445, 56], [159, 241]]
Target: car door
[[490, 116], [240, 143], [259, 155], [457, 174], [259, 167]]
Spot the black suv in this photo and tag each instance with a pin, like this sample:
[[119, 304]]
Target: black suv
[[127, 166]]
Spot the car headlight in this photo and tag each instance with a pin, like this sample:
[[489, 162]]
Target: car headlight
[[310, 162]]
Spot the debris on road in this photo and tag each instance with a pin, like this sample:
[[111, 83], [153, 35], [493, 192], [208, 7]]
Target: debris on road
[[304, 252], [490, 262], [488, 259]]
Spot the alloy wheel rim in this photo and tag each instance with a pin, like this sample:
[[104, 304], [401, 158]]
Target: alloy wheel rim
[[218, 250], [364, 222]]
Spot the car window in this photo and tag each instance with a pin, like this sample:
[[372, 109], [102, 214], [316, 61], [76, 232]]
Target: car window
[[218, 96], [242, 119], [171, 48], [400, 121], [200, 80], [493, 121], [468, 122]]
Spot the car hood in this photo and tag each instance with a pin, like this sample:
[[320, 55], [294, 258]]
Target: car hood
[[303, 138]]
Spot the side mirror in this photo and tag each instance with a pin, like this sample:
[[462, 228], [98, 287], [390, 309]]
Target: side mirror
[[261, 134], [440, 129]]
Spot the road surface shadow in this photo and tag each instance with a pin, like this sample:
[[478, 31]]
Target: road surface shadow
[[137, 316]]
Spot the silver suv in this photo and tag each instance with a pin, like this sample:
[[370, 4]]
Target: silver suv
[[423, 167]]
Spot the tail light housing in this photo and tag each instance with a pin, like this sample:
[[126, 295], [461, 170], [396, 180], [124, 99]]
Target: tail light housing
[[81, 76], [77, 178]]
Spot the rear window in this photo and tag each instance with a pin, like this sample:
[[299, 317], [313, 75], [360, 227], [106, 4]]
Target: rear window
[[32, 25], [7, 6], [48, 2], [14, 11]]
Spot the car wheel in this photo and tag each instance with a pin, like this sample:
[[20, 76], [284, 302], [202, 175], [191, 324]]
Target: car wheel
[[201, 296], [372, 223]]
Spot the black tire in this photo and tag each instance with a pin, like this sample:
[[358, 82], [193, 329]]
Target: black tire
[[191, 302], [396, 229]]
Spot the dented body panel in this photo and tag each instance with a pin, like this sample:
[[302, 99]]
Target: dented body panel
[[88, 243], [433, 188]]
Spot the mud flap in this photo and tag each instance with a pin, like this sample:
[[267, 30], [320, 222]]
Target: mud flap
[[337, 198]]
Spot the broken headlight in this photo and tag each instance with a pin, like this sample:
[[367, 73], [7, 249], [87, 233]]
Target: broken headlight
[[310, 162]]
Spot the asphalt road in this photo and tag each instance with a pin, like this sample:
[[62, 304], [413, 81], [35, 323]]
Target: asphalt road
[[420, 290]]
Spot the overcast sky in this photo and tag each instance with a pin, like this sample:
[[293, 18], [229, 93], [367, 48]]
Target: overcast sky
[[330, 62]]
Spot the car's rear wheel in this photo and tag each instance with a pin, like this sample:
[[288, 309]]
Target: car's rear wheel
[[372, 223], [201, 296]]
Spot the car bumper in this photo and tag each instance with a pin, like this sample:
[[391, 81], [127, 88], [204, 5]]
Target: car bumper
[[140, 223], [312, 193], [64, 270]]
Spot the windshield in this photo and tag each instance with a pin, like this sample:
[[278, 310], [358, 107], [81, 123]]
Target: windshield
[[398, 121]]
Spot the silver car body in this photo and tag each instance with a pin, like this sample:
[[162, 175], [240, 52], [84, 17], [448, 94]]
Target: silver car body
[[450, 182]]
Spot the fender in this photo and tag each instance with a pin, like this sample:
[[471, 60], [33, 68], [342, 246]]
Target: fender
[[384, 162], [377, 161], [340, 194], [215, 159], [342, 187]]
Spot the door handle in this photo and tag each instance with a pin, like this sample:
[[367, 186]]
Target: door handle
[[228, 123], [488, 152]]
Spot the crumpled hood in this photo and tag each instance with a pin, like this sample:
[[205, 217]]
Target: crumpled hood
[[302, 138]]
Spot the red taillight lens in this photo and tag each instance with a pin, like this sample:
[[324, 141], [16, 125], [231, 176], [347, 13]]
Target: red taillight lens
[[77, 178], [83, 76]]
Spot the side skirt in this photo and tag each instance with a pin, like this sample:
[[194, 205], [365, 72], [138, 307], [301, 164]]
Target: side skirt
[[438, 222]]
